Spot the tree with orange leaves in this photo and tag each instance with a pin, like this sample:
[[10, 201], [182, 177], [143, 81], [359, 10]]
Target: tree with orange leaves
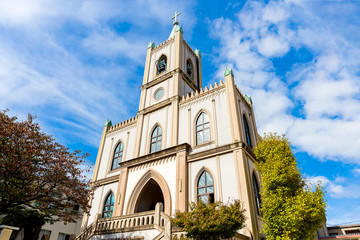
[[40, 180]]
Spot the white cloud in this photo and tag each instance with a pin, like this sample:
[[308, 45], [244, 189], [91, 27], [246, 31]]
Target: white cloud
[[272, 46], [339, 188], [323, 92]]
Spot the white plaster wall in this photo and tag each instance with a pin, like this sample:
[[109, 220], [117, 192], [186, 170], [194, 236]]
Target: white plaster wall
[[150, 120], [228, 177], [194, 169], [150, 100], [147, 234], [111, 140], [167, 170], [60, 227], [222, 118]]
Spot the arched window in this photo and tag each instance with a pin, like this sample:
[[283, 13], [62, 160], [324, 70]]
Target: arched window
[[155, 143], [161, 64], [247, 132], [257, 194], [205, 187], [202, 129], [109, 206], [189, 68], [118, 153]]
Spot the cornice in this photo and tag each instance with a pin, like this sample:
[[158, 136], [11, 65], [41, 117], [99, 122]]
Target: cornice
[[156, 155]]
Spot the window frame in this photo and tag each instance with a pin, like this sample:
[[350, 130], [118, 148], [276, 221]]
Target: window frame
[[192, 68], [162, 57], [158, 139], [203, 129], [210, 195], [108, 205], [121, 155], [257, 195], [247, 131]]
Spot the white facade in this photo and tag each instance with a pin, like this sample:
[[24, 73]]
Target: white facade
[[170, 174]]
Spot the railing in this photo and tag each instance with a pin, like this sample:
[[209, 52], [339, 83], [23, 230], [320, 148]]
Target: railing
[[144, 220]]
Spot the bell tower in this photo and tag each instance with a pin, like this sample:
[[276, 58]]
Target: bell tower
[[172, 69]]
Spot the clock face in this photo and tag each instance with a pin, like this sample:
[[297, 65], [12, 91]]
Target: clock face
[[159, 94]]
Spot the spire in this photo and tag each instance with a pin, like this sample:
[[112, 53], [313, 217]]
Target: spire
[[176, 26]]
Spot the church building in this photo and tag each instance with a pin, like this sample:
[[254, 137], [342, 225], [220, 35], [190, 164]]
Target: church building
[[185, 144]]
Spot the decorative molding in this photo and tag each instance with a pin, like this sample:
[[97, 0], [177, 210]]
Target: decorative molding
[[159, 105], [163, 44], [221, 150], [195, 95], [156, 155], [106, 181], [123, 124]]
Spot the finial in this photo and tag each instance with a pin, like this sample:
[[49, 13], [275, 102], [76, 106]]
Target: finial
[[108, 123], [175, 18], [248, 99], [228, 71], [197, 52], [151, 45]]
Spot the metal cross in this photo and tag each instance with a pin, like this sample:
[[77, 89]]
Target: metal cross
[[175, 17]]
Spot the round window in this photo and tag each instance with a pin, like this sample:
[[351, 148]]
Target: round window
[[159, 94]]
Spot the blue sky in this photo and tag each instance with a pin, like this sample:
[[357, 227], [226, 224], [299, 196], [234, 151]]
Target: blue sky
[[75, 64]]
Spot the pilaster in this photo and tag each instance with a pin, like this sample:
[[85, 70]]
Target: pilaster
[[181, 193], [121, 191], [232, 105]]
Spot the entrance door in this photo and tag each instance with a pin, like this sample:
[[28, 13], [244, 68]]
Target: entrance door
[[150, 195]]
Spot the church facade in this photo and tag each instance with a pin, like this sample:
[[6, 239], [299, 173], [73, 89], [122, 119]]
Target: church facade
[[186, 144]]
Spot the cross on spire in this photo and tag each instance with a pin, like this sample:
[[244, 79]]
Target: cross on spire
[[175, 17]]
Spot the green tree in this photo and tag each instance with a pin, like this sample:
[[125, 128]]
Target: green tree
[[40, 180], [211, 221], [291, 209]]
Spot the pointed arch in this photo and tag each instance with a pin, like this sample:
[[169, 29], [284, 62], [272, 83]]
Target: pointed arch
[[247, 131], [156, 134], [202, 127], [135, 194], [204, 171], [256, 188], [108, 204], [161, 64], [117, 155], [189, 68]]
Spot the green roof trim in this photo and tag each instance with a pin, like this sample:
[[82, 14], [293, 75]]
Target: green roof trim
[[228, 71], [197, 52], [248, 99], [151, 45], [107, 123], [175, 29]]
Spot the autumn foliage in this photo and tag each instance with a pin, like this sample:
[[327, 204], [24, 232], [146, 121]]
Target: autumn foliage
[[38, 175], [211, 221], [291, 209]]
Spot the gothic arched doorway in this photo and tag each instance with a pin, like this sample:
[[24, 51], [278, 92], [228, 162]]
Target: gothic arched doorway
[[149, 196], [150, 189]]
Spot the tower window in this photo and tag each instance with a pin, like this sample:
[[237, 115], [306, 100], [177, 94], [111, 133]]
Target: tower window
[[161, 64], [189, 68], [257, 194], [202, 129], [205, 188], [247, 132], [109, 206], [118, 153], [155, 143]]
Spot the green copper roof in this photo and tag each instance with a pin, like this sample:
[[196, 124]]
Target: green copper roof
[[175, 29], [151, 45], [197, 52], [107, 123], [248, 99], [228, 71]]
